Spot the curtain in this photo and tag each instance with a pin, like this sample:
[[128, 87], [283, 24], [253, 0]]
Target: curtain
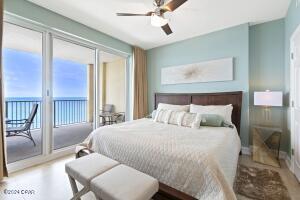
[[3, 169], [140, 107]]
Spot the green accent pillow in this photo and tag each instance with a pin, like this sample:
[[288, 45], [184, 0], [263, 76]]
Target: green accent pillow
[[214, 121]]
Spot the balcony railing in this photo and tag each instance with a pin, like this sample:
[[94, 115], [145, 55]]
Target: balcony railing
[[69, 112], [65, 112]]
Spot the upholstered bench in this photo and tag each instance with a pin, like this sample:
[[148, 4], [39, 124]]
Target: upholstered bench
[[86, 168], [124, 183]]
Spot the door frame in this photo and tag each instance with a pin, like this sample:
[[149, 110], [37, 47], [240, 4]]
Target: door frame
[[292, 97], [48, 33], [49, 97]]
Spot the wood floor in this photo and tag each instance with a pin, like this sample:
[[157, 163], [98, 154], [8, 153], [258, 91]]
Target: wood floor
[[49, 181]]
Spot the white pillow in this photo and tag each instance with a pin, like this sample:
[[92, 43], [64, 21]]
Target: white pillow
[[162, 116], [165, 106], [197, 121], [224, 111], [179, 118], [191, 120], [176, 117]]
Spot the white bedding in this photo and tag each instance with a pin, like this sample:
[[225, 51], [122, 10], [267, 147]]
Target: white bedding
[[200, 162]]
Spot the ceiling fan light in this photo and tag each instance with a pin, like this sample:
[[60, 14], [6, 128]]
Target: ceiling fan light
[[158, 21]]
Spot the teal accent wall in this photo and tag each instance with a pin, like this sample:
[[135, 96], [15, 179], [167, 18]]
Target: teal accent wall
[[292, 21], [267, 71], [232, 42], [44, 16]]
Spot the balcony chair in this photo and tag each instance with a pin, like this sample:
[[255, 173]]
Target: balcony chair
[[106, 114], [118, 117], [21, 127]]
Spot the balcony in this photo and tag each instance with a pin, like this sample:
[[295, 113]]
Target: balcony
[[70, 126]]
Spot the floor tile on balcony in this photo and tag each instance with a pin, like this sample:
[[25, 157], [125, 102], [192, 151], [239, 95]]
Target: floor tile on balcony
[[19, 148], [72, 134]]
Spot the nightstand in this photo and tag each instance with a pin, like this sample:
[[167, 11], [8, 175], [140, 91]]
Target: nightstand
[[266, 144]]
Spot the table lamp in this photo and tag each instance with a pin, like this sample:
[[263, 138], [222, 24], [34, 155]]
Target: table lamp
[[268, 99]]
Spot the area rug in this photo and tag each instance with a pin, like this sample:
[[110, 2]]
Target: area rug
[[260, 184]]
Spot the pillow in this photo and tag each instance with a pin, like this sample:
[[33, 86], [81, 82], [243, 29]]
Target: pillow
[[153, 114], [191, 120], [179, 118], [197, 122], [176, 117], [162, 116], [224, 111], [214, 121], [165, 106]]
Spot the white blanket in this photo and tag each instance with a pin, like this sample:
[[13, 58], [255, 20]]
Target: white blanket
[[200, 162]]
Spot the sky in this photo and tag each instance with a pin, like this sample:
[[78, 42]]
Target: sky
[[23, 75]]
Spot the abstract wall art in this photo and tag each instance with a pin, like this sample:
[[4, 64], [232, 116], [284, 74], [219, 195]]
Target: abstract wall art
[[209, 71]]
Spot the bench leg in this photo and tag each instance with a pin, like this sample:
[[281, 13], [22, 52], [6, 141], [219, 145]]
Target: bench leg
[[73, 185], [76, 194], [80, 193]]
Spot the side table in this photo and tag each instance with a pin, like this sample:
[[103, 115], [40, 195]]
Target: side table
[[266, 144]]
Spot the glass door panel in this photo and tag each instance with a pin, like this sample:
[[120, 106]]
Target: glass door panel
[[73, 93], [22, 72]]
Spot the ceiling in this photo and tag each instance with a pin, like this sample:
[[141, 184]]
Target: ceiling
[[194, 18], [18, 38]]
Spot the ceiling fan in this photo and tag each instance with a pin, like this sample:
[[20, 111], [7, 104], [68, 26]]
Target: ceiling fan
[[157, 16]]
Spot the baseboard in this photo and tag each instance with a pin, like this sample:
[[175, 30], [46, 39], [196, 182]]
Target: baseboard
[[248, 150]]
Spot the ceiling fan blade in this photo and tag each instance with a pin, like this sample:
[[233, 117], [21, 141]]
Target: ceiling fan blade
[[166, 28], [132, 14], [173, 5]]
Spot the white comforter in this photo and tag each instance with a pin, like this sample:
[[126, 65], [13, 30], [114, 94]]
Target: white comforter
[[200, 162]]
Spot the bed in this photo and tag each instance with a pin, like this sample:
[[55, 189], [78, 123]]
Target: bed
[[189, 163]]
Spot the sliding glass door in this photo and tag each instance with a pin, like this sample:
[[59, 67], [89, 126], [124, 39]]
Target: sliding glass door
[[22, 72], [73, 92], [25, 79], [56, 86]]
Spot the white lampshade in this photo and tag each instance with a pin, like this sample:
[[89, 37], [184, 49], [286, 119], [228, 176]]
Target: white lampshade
[[268, 98]]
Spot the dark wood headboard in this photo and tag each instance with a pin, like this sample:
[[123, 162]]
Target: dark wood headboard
[[224, 98]]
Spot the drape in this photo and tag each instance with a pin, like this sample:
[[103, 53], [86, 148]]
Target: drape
[[140, 107], [3, 169]]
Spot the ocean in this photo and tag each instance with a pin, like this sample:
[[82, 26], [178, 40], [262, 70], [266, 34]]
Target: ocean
[[67, 110]]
